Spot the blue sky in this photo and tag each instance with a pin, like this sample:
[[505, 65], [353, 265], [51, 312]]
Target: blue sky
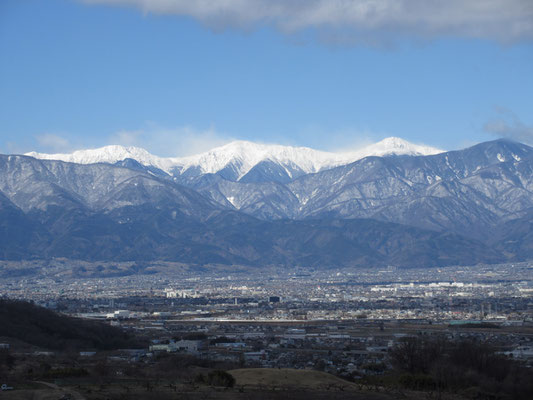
[[180, 80]]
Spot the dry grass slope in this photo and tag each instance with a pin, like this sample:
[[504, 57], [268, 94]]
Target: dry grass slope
[[289, 378]]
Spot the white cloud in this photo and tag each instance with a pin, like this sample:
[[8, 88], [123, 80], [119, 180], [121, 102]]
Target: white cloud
[[366, 21], [337, 140], [10, 147], [186, 140], [53, 143], [509, 125], [175, 142]]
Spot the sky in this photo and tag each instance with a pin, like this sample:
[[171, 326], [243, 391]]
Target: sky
[[178, 77]]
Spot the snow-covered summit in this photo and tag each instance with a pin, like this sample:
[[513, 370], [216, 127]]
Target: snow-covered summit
[[393, 146], [245, 155], [242, 156], [107, 154]]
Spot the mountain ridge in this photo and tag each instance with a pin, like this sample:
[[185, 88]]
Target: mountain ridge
[[435, 210], [241, 156]]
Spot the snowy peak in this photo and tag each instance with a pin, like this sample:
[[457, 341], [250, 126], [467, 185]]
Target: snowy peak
[[107, 154], [240, 157], [246, 155], [393, 146]]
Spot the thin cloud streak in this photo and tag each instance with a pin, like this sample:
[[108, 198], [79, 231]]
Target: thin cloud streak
[[53, 143], [186, 141], [508, 125], [364, 21], [163, 142], [177, 142]]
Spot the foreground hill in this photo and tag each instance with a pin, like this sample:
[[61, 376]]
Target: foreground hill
[[44, 328]]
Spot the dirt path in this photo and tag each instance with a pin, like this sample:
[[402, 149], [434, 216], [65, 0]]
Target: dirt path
[[74, 395]]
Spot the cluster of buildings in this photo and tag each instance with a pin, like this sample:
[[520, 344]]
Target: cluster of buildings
[[342, 321]]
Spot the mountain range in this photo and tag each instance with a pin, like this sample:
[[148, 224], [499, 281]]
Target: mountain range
[[235, 160], [392, 203]]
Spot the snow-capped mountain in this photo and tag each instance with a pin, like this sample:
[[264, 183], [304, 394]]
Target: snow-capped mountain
[[236, 159], [110, 155], [458, 207], [391, 146], [244, 156]]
